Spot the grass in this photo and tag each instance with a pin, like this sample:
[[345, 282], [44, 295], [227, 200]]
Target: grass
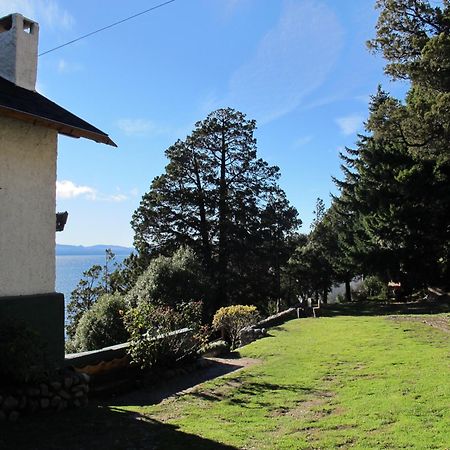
[[336, 382]]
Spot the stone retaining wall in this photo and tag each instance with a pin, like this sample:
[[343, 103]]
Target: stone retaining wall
[[91, 359], [278, 319], [68, 390], [259, 330]]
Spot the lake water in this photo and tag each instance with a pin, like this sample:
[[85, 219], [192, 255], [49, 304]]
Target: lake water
[[70, 268]]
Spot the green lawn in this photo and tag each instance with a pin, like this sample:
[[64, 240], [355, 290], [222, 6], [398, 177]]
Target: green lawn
[[337, 382]]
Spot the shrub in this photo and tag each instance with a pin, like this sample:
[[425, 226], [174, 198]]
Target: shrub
[[170, 280], [102, 325], [22, 354], [95, 282], [215, 348], [155, 340], [373, 288], [83, 297], [275, 307], [231, 319]]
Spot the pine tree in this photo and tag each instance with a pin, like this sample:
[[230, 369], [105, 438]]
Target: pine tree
[[215, 197]]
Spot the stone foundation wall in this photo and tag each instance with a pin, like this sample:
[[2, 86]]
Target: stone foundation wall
[[68, 390]]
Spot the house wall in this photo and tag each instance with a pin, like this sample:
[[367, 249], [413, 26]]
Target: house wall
[[27, 208]]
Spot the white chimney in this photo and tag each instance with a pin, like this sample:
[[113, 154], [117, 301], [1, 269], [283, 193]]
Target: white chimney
[[19, 50]]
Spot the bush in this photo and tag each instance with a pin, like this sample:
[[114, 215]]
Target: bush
[[231, 319], [83, 297], [215, 348], [275, 307], [102, 325], [154, 338], [170, 280], [373, 288], [22, 354]]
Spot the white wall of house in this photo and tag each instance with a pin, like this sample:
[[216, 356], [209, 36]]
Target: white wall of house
[[27, 208]]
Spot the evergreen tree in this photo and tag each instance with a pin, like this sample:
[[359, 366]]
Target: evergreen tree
[[216, 196], [396, 185], [399, 229], [311, 263]]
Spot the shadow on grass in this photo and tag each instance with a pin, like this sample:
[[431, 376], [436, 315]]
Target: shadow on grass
[[278, 328], [248, 394], [151, 395], [98, 427], [382, 308]]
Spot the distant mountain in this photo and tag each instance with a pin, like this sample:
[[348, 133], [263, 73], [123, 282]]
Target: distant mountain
[[92, 250]]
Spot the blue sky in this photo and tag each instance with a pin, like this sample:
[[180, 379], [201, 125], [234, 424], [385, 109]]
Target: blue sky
[[299, 67]]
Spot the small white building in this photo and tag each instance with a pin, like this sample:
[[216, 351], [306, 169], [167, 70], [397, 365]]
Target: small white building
[[29, 127]]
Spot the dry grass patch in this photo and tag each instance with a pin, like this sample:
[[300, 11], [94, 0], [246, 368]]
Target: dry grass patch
[[441, 322]]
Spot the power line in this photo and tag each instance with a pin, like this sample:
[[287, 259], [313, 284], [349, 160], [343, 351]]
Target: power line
[[107, 27]]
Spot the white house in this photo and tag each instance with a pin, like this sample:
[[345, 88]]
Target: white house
[[29, 128]]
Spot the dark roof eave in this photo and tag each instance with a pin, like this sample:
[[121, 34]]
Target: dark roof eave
[[62, 128]]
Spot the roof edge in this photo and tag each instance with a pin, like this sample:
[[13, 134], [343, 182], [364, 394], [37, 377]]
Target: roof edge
[[61, 127]]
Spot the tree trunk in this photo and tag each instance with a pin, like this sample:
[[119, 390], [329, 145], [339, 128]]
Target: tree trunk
[[348, 292], [277, 273], [325, 296], [204, 231], [223, 262]]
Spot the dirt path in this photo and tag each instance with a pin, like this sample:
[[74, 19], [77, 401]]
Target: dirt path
[[213, 368], [440, 322]]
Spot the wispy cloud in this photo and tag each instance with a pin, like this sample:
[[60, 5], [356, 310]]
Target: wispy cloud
[[116, 198], [47, 12], [322, 102], [209, 102], [141, 127], [292, 60], [65, 66], [302, 141], [363, 98], [67, 189], [229, 7], [134, 192], [350, 124]]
